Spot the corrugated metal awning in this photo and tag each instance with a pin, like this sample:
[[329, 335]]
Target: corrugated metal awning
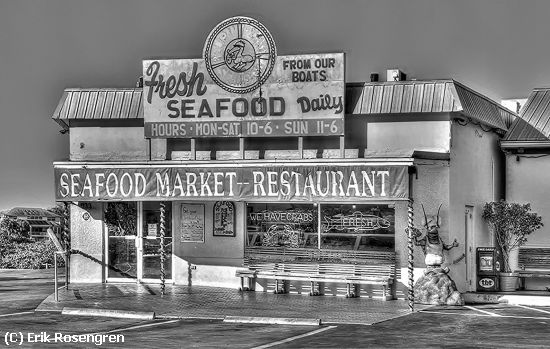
[[405, 97], [400, 97], [99, 103], [533, 123]]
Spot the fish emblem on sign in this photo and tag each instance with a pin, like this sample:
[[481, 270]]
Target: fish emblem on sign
[[239, 54], [356, 221]]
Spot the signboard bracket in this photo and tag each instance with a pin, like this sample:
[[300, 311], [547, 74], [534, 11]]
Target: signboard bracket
[[241, 147], [193, 149]]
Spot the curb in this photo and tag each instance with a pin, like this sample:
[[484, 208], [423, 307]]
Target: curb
[[471, 298], [125, 314], [47, 310], [272, 320]]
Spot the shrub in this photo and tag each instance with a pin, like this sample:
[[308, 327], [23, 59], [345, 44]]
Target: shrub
[[512, 223], [19, 251], [12, 232], [30, 255]]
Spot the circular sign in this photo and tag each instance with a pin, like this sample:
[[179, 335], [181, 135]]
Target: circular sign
[[239, 54], [486, 283], [86, 216]]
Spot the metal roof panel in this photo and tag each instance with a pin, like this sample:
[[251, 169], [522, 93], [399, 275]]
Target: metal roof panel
[[100, 103], [533, 123]]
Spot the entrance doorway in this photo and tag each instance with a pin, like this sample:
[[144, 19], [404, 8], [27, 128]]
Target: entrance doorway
[[133, 241]]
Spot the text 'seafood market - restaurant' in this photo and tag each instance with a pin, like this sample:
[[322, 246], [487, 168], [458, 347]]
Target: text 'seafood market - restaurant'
[[246, 160]]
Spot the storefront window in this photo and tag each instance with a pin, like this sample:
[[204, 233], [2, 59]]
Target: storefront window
[[357, 227], [151, 240], [344, 227], [282, 225]]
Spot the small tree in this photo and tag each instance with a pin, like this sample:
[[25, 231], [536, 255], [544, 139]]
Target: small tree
[[512, 223]]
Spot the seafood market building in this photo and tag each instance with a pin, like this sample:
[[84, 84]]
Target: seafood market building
[[246, 156]]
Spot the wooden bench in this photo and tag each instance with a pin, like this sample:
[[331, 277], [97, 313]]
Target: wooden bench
[[380, 272], [534, 262]]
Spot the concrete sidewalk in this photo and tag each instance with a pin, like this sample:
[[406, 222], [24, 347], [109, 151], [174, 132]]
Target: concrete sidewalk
[[219, 303]]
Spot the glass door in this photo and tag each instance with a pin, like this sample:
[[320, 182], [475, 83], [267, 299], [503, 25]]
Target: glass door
[[133, 241], [150, 241], [122, 232]]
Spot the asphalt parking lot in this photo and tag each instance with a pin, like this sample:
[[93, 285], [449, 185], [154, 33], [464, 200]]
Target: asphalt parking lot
[[486, 326], [479, 326]]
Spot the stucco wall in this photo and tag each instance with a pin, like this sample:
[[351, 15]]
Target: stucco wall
[[525, 183], [87, 265], [108, 144], [213, 262], [476, 177], [408, 135], [430, 187]]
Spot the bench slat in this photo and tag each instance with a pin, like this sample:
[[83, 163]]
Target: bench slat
[[534, 258]]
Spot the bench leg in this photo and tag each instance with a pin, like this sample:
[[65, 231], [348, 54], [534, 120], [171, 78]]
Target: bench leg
[[314, 291], [250, 283], [283, 289], [393, 290], [351, 291], [242, 284], [521, 283], [385, 295]]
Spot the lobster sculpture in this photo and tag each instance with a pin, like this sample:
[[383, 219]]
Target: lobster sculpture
[[432, 244]]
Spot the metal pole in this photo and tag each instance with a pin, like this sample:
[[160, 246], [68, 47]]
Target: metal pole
[[56, 296], [67, 270], [410, 246], [162, 251], [65, 233]]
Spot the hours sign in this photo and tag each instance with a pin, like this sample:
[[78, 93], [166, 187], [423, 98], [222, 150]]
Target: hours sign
[[241, 88]]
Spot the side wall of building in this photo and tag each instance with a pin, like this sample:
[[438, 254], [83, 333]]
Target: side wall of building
[[476, 177], [398, 136], [429, 187], [87, 264], [212, 263], [526, 178]]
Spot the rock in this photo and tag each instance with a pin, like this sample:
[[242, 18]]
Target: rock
[[437, 288]]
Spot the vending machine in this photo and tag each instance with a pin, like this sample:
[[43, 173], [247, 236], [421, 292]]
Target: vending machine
[[489, 264]]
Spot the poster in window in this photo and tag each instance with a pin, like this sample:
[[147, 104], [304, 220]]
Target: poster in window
[[192, 223], [152, 229], [224, 218]]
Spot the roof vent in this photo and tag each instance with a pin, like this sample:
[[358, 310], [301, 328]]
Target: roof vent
[[395, 75], [374, 77]]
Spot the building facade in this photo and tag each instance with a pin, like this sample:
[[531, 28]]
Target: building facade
[[286, 160], [527, 149], [39, 220]]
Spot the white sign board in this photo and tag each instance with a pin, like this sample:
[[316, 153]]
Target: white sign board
[[303, 95]]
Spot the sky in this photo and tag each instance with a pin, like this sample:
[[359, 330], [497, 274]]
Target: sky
[[497, 47]]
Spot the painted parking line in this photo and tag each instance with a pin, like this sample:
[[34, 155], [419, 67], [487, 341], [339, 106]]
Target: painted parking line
[[530, 308], [484, 315], [137, 326], [20, 313], [481, 311], [290, 339]]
